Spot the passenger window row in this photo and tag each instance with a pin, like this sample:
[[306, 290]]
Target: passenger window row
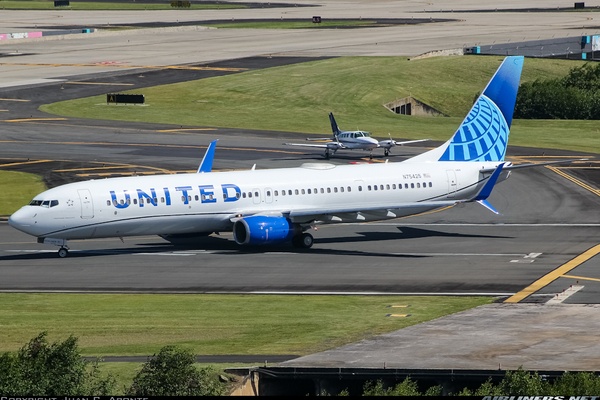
[[276, 193]]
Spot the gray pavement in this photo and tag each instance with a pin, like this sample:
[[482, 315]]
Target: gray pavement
[[470, 23], [491, 337]]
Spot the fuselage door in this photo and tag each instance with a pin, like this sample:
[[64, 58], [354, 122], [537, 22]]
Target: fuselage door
[[256, 196], [87, 205], [268, 195], [452, 183]]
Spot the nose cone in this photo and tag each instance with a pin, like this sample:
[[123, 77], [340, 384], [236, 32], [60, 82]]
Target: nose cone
[[374, 142], [23, 220]]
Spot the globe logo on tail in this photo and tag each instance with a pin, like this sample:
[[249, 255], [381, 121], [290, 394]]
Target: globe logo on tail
[[483, 135]]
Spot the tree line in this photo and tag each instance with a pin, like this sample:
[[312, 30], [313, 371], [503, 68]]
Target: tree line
[[41, 368], [575, 96]]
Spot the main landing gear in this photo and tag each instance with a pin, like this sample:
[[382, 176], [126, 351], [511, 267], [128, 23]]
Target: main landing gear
[[303, 240]]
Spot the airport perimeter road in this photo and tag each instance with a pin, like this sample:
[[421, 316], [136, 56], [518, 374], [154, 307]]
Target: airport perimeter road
[[176, 37]]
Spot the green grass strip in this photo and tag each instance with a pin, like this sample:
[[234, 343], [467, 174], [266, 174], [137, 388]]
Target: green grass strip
[[140, 324]]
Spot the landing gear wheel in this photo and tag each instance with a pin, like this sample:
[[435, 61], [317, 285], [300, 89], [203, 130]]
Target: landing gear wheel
[[304, 240], [386, 152], [327, 155], [307, 240], [63, 252]]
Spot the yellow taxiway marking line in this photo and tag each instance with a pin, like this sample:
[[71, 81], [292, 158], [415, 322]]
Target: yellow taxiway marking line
[[186, 129], [4, 99], [34, 119], [100, 168], [24, 163], [583, 278], [98, 83], [575, 180], [553, 275]]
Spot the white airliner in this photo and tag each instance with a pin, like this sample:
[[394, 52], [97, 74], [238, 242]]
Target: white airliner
[[279, 205], [352, 140]]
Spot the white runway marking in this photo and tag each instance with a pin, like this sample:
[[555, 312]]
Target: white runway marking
[[560, 297], [527, 259]]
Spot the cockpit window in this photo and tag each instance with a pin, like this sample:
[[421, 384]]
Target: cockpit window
[[44, 203]]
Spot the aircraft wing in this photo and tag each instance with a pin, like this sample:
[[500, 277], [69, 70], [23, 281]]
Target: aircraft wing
[[391, 143], [328, 145], [339, 213], [308, 215]]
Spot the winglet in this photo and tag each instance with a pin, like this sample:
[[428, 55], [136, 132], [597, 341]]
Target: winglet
[[207, 160], [486, 190], [487, 205]]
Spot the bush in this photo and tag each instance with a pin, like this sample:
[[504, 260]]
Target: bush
[[43, 369], [172, 373]]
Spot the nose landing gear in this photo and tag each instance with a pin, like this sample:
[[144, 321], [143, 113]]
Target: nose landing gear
[[64, 249]]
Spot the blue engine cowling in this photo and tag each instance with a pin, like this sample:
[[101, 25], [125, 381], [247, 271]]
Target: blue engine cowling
[[259, 229]]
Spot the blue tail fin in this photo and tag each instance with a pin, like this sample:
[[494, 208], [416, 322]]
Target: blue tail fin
[[334, 126], [483, 134]]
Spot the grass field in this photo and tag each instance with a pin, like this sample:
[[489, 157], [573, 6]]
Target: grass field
[[140, 324], [297, 98], [18, 188]]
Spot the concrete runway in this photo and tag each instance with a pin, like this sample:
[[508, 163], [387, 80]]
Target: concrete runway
[[548, 229]]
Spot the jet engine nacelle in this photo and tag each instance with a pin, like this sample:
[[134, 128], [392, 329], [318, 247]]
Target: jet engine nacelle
[[261, 229]]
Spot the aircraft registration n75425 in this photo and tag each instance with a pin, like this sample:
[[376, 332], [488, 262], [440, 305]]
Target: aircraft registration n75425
[[280, 205]]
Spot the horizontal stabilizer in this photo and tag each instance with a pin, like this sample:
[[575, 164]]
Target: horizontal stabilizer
[[531, 165]]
